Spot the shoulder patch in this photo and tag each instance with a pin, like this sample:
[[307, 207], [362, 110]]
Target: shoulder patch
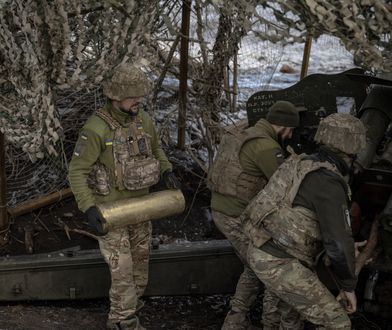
[[81, 144]]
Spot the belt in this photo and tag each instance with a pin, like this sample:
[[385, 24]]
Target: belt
[[273, 249]]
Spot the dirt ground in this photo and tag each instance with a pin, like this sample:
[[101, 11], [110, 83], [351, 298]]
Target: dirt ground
[[172, 313], [158, 313]]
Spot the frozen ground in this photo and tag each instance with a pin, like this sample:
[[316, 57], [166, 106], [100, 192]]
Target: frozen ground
[[260, 63], [170, 313]]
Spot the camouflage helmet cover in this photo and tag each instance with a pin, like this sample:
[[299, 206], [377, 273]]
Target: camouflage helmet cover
[[343, 132], [127, 81]]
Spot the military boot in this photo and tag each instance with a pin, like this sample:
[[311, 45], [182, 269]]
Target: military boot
[[110, 325], [236, 321], [131, 323]]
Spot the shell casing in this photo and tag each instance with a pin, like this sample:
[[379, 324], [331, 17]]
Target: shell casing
[[134, 210]]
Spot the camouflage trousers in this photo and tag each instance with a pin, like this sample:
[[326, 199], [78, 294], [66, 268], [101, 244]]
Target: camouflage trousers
[[277, 314], [248, 285], [126, 251], [299, 287]]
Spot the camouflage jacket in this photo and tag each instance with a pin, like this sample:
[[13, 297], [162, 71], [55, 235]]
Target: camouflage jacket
[[259, 157], [304, 209], [93, 146]]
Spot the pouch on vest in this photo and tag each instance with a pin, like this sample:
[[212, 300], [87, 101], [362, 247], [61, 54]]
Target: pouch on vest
[[142, 145], [99, 180], [141, 173], [258, 236], [226, 176], [294, 229]]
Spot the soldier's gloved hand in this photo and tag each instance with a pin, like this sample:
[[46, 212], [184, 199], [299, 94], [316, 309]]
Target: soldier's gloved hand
[[348, 300], [171, 180], [95, 221]]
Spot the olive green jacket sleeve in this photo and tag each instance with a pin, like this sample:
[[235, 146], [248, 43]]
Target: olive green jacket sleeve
[[88, 148]]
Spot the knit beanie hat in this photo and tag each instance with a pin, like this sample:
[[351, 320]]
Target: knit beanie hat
[[283, 113]]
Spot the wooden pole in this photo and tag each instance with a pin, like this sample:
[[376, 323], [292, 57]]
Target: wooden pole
[[39, 202], [226, 85], [164, 70], [306, 56], [182, 93], [4, 221], [235, 80]]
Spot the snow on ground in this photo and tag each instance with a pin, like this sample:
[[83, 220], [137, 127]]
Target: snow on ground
[[260, 69]]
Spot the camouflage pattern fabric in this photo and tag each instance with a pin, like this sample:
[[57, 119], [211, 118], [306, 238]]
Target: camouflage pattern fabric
[[135, 166], [258, 158], [299, 287], [277, 314], [343, 132], [126, 251], [294, 229], [226, 176], [127, 81], [132, 31], [249, 285]]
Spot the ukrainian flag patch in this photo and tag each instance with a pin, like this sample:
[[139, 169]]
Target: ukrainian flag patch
[[109, 142]]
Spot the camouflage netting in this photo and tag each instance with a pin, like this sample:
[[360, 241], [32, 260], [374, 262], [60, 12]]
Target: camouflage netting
[[49, 46], [56, 45], [364, 26], [54, 55]]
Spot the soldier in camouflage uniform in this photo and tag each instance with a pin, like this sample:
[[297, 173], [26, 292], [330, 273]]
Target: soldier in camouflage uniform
[[301, 211], [118, 155], [245, 161]]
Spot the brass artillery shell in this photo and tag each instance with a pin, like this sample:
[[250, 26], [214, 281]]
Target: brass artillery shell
[[131, 211]]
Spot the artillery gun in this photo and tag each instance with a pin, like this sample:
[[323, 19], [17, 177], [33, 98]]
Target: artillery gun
[[368, 98]]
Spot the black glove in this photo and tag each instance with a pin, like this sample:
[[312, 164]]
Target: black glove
[[95, 221], [171, 180]]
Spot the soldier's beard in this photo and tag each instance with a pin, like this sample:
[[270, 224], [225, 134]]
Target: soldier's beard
[[133, 111], [283, 142], [284, 135]]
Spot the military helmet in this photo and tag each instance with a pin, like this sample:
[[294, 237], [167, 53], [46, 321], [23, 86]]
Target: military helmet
[[127, 81], [343, 132]]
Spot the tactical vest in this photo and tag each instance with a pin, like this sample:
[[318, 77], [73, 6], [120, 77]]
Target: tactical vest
[[226, 175], [271, 214], [135, 167]]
